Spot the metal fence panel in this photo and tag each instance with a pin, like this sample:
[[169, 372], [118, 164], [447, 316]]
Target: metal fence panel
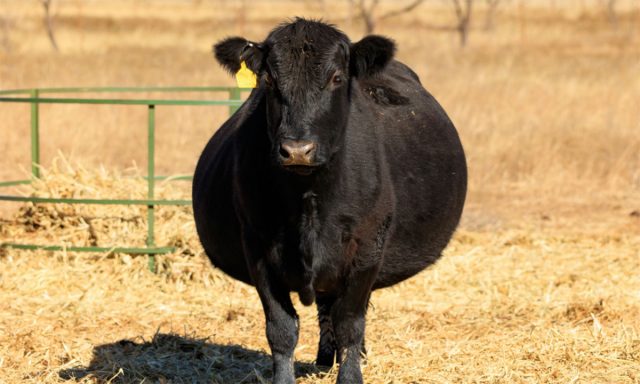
[[33, 96]]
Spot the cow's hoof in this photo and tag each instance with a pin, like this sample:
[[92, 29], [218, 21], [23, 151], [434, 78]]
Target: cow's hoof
[[284, 379], [283, 370], [325, 359], [349, 376]]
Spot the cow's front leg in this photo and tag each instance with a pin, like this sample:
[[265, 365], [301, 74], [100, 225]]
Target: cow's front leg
[[327, 343], [348, 319], [281, 317], [281, 321]]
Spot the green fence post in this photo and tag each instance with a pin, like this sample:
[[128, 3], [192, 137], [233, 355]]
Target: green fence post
[[234, 94], [151, 149], [35, 135]]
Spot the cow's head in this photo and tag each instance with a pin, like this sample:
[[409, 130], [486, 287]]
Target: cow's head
[[306, 69]]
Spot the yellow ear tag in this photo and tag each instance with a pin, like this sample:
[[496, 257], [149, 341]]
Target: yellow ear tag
[[245, 77]]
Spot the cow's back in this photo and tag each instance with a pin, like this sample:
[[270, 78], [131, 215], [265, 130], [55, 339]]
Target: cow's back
[[428, 169]]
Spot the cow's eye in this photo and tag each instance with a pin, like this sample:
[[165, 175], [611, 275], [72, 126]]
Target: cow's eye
[[336, 79]]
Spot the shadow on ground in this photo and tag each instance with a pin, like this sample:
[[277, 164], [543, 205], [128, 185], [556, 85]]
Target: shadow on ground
[[170, 358]]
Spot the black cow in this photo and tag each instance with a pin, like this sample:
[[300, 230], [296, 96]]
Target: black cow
[[340, 174]]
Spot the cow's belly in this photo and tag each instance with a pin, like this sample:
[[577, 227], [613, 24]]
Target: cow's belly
[[216, 222], [409, 251], [220, 237], [430, 192]]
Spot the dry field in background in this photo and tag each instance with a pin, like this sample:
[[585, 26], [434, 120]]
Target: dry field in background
[[540, 284]]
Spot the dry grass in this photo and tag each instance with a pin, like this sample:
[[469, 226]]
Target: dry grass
[[530, 303], [539, 285]]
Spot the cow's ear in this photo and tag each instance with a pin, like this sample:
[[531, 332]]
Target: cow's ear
[[370, 55], [231, 51]]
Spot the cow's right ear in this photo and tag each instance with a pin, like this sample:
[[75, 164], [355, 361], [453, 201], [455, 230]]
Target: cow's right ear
[[370, 55], [231, 51]]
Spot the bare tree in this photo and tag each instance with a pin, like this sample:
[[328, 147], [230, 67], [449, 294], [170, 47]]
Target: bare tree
[[318, 4], [611, 12], [48, 22], [4, 33], [463, 10], [492, 6], [366, 12], [6, 23]]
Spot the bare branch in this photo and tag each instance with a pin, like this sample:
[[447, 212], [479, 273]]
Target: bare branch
[[400, 11], [49, 23], [366, 11], [463, 15]]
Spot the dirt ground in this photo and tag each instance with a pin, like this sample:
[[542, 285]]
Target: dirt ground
[[539, 285]]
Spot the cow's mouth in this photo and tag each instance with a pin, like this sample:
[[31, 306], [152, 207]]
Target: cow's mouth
[[302, 170]]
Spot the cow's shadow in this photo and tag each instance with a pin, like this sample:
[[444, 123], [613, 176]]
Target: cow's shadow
[[170, 358]]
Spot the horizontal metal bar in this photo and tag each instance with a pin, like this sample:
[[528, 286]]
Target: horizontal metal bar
[[14, 182], [44, 100], [131, 250], [54, 200], [170, 178], [123, 89], [15, 92]]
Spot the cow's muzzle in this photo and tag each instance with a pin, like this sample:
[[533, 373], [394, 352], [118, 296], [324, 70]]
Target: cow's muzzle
[[295, 153]]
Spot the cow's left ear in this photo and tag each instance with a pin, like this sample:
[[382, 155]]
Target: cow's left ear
[[231, 51], [370, 55]]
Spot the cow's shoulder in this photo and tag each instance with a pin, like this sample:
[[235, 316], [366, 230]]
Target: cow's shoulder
[[402, 71], [393, 86], [231, 140]]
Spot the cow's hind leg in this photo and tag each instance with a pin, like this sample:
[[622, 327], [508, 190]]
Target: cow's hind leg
[[327, 343]]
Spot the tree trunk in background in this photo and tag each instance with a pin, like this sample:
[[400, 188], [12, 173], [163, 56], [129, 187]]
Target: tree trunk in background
[[523, 22], [366, 14], [4, 34], [611, 13], [49, 23], [362, 13], [463, 14], [492, 6], [369, 24], [241, 17]]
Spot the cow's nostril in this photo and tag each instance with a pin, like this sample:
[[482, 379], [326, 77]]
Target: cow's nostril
[[284, 152], [300, 152]]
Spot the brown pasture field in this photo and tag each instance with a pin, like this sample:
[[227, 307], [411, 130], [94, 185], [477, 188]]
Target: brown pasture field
[[540, 284]]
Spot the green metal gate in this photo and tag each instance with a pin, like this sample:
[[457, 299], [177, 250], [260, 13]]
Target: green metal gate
[[34, 97]]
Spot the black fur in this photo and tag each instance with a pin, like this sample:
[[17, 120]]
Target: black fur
[[384, 95], [232, 50], [376, 204], [371, 55], [228, 52]]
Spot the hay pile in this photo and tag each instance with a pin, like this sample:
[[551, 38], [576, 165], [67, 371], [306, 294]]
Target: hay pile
[[530, 303], [103, 225]]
